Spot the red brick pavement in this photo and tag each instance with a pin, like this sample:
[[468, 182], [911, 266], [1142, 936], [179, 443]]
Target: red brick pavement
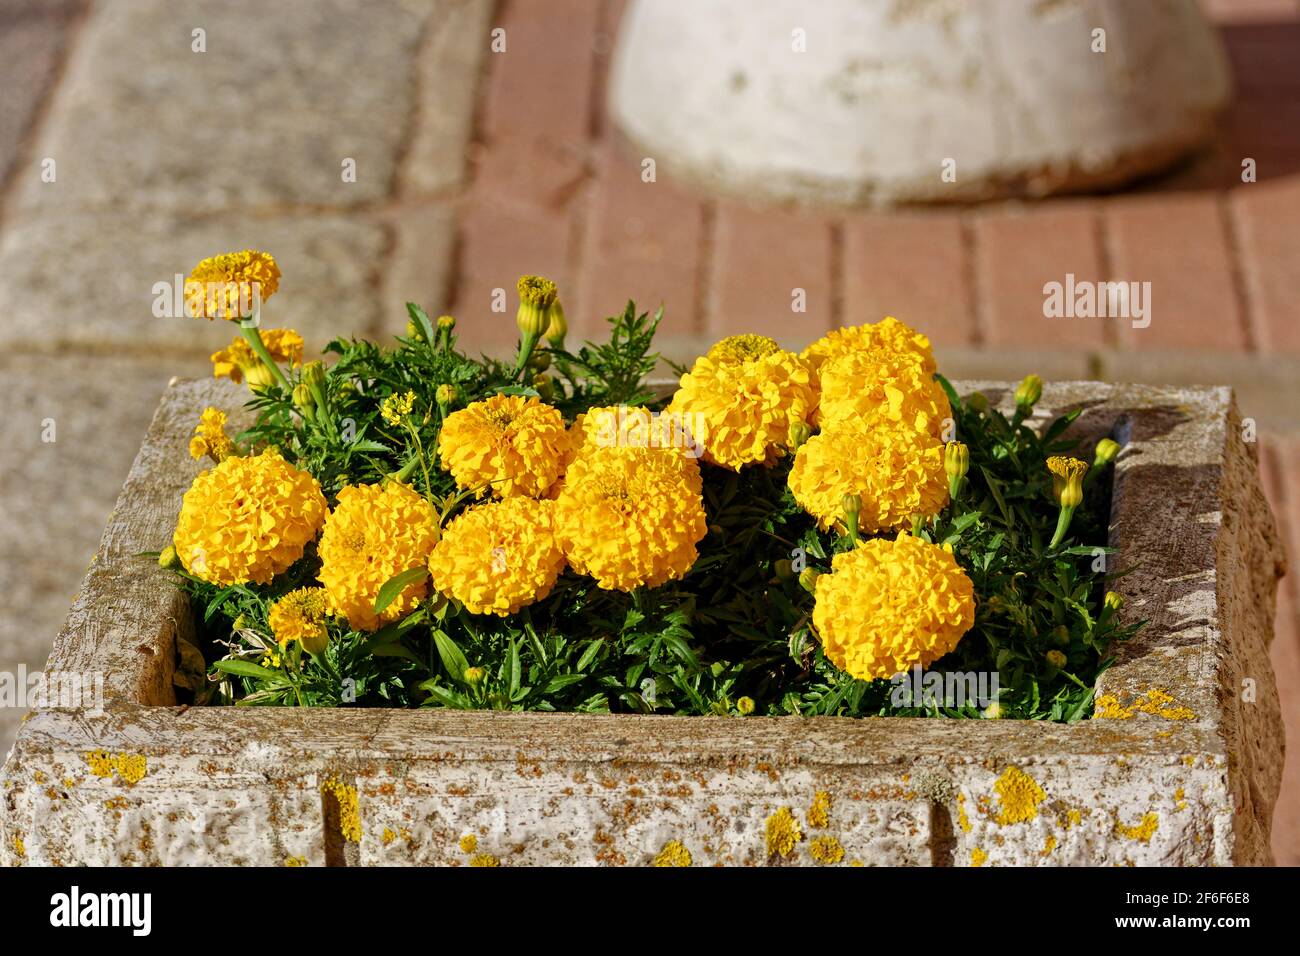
[[554, 191]]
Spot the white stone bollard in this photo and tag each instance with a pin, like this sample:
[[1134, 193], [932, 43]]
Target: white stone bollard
[[880, 101]]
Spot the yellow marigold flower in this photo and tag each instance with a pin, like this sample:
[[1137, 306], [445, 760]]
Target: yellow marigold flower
[[888, 335], [1067, 479], [498, 556], [896, 471], [248, 519], [637, 432], [395, 408], [1056, 658], [210, 436], [887, 605], [629, 519], [745, 396], [237, 361], [508, 444], [228, 286], [300, 616], [374, 533], [882, 387]]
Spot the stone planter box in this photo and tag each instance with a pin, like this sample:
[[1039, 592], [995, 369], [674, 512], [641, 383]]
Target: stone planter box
[[1186, 772]]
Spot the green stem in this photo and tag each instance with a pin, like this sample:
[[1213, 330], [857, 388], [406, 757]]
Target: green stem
[[254, 339], [526, 347], [1062, 525]]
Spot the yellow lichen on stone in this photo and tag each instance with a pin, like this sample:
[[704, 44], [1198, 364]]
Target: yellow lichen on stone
[[468, 843], [1073, 818], [38, 776], [674, 853], [349, 809], [388, 836], [484, 859], [100, 763], [1107, 707], [856, 863], [1049, 845], [826, 850], [1156, 703], [131, 768], [783, 832], [295, 861], [963, 821], [1189, 760], [20, 847], [978, 857], [1019, 796], [819, 813], [1143, 832], [1180, 800]]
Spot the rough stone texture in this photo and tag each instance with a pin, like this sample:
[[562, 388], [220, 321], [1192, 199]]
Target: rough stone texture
[[222, 785], [264, 118], [58, 494], [33, 34], [87, 279], [448, 71], [881, 93]]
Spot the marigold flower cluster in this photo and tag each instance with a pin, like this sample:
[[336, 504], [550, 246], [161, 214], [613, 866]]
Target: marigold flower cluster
[[887, 605], [248, 519], [617, 495], [882, 417]]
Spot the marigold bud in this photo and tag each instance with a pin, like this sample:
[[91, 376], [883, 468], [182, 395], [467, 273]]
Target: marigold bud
[[412, 330], [1114, 600], [852, 505], [993, 711], [536, 294], [474, 675], [557, 326], [1028, 392], [313, 373], [1061, 636], [539, 361], [979, 402], [956, 459], [1105, 453], [799, 433], [784, 570], [745, 706], [808, 579], [545, 386], [445, 394], [1055, 658], [446, 322], [259, 375], [302, 397], [168, 557]]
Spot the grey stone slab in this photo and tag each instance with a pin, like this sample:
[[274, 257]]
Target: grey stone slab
[[56, 496], [87, 280], [448, 76], [284, 93], [33, 37], [1181, 767]]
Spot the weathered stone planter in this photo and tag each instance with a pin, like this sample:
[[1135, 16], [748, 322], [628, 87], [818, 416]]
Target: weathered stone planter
[[1189, 776]]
